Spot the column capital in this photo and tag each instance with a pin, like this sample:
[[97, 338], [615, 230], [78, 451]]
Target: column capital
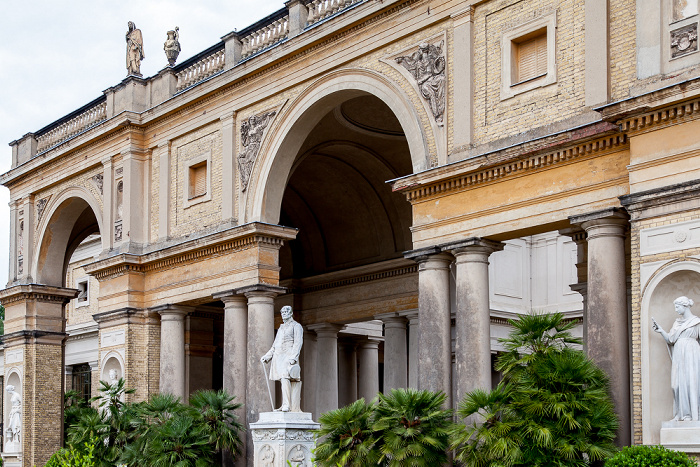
[[575, 233], [473, 249], [370, 343], [261, 290], [172, 311], [410, 315], [229, 296], [392, 320], [430, 258], [610, 222], [326, 329]]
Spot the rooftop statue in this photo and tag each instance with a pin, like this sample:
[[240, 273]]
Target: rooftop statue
[[284, 357], [134, 50], [684, 348], [172, 46]]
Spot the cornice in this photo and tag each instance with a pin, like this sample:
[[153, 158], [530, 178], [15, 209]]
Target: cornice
[[507, 163], [37, 292], [235, 239]]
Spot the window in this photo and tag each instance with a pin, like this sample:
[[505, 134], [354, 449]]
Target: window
[[197, 177], [82, 380], [528, 56], [83, 286], [198, 180]]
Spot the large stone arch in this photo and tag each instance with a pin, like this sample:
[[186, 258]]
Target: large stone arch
[[263, 198], [57, 233], [668, 282]]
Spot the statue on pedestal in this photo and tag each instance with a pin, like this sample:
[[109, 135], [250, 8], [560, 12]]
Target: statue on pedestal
[[134, 50], [172, 46], [284, 357], [14, 420], [684, 349]]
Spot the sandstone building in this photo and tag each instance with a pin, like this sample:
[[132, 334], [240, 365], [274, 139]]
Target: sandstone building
[[365, 161]]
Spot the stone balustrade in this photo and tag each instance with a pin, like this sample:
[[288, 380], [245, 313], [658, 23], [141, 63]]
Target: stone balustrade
[[265, 37], [321, 9], [81, 122], [201, 70]]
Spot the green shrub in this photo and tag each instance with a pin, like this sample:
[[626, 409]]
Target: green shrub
[[649, 456], [74, 458]]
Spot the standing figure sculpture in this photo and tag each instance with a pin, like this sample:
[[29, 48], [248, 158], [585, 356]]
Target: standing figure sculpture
[[685, 357], [284, 357], [134, 50], [427, 66], [14, 420]]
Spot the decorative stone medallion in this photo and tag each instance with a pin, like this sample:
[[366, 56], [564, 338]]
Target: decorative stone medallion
[[684, 40]]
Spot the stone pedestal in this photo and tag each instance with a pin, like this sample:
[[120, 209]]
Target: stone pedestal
[[279, 437], [11, 459], [681, 436]]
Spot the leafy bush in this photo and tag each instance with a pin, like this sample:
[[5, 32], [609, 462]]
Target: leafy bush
[[72, 457], [649, 456], [552, 407], [160, 431], [404, 428]]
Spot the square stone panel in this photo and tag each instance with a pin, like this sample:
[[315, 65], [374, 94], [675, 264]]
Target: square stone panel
[[684, 40]]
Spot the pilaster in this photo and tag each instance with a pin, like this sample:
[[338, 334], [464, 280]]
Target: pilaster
[[463, 66], [228, 135], [164, 193]]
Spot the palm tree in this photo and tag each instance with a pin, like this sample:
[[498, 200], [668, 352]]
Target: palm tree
[[179, 442], [215, 412], [552, 407], [413, 428], [346, 438]]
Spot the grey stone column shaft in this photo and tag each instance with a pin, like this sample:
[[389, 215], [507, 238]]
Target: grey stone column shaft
[[413, 339], [309, 374], [607, 315], [236, 349], [368, 374], [172, 349], [395, 352], [347, 373], [435, 347], [327, 365], [473, 316]]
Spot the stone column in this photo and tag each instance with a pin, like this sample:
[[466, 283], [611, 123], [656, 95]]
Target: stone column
[[413, 338], [29, 218], [395, 352], [108, 187], [578, 235], [368, 374], [435, 348], [172, 348], [135, 163], [308, 374], [473, 314], [14, 232], [347, 372], [607, 324], [327, 365]]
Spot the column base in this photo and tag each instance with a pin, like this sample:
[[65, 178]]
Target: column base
[[282, 437], [11, 459], [681, 436]]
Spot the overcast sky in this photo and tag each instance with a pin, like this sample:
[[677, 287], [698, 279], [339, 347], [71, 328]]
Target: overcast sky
[[58, 55]]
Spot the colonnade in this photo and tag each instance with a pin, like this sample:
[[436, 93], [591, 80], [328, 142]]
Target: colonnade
[[417, 344]]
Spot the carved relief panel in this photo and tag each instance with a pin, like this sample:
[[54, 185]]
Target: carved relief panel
[[252, 131]]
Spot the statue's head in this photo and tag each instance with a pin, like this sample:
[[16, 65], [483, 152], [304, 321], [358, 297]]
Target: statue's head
[[286, 312], [132, 26], [10, 388], [112, 374], [682, 303]]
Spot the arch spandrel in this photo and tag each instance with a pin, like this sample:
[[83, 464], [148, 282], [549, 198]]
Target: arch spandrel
[[262, 200], [64, 209]]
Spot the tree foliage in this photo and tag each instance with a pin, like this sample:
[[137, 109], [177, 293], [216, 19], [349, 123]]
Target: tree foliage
[[552, 407]]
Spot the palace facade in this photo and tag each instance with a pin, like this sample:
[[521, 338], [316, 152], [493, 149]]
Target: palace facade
[[407, 174]]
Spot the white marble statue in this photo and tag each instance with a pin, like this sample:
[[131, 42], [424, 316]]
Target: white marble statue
[[685, 356], [113, 376], [134, 50], [14, 419], [284, 358]]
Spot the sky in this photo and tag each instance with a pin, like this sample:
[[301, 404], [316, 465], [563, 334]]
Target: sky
[[58, 55]]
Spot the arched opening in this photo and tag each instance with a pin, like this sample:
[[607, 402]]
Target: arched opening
[[70, 222], [346, 265]]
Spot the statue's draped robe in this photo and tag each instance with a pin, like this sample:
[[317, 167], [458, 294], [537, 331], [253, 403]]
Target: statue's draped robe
[[685, 369], [287, 345]]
